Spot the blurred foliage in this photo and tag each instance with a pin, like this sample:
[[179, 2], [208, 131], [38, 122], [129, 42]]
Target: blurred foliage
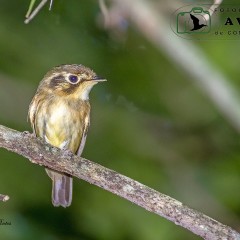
[[149, 122]]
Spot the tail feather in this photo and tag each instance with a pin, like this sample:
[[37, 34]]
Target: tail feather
[[61, 188]]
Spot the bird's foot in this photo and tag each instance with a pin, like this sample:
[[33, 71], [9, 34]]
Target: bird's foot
[[25, 133], [67, 153]]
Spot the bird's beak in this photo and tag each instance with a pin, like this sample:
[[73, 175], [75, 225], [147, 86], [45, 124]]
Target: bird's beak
[[98, 79]]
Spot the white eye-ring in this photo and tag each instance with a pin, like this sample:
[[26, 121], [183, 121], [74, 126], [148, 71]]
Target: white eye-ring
[[73, 79]]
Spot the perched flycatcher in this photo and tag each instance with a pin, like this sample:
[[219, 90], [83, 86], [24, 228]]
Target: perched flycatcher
[[60, 114]]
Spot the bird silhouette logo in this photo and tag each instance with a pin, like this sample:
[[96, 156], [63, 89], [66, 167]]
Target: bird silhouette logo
[[196, 25], [195, 21]]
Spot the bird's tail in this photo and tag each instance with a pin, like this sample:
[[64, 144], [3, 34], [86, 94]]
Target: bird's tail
[[61, 188]]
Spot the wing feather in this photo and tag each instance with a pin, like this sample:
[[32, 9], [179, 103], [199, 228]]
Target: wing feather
[[84, 135], [33, 108]]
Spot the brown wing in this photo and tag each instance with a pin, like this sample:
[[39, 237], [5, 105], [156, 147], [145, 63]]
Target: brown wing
[[84, 135], [32, 111]]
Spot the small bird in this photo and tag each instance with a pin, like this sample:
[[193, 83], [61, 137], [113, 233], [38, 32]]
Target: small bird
[[196, 25], [60, 114]]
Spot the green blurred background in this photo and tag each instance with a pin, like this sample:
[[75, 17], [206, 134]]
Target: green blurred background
[[149, 122]]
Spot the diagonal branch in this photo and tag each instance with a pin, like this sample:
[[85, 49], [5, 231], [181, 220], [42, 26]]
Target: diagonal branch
[[31, 15], [38, 152]]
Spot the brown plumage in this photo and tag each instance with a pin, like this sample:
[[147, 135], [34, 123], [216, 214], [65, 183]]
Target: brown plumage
[[60, 114]]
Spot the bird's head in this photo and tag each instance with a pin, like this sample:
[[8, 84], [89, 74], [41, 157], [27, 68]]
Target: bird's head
[[70, 80]]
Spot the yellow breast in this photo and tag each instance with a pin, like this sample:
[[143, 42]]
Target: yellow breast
[[62, 123]]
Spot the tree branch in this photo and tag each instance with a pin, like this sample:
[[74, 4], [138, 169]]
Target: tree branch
[[31, 15], [39, 152]]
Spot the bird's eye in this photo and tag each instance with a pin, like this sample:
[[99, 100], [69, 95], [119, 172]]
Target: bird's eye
[[73, 78]]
